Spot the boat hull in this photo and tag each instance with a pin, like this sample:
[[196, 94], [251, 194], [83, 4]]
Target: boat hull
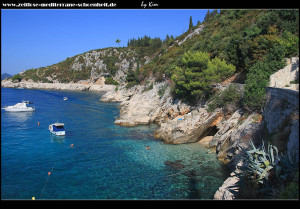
[[18, 109], [57, 129], [58, 133]]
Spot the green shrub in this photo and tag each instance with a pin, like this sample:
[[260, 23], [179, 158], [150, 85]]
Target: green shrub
[[291, 191], [110, 80], [231, 95], [149, 87], [258, 78], [131, 84], [16, 78], [162, 90]]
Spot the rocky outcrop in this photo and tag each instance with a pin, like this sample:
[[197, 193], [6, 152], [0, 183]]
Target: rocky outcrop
[[236, 132], [188, 128], [97, 61], [228, 188], [142, 105], [122, 94], [281, 113], [140, 109], [193, 33]]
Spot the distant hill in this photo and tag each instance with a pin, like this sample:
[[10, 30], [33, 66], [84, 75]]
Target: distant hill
[[5, 75]]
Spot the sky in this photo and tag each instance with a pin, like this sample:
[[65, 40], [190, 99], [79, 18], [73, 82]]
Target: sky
[[32, 38]]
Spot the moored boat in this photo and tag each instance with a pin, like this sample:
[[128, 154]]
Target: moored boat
[[19, 107], [57, 129]]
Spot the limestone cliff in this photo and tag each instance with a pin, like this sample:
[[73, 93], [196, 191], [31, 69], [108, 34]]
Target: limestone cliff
[[143, 105]]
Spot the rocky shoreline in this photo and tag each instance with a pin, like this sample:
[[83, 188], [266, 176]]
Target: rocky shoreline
[[179, 122], [224, 133], [57, 86]]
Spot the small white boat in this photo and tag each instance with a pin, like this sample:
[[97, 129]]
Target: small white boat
[[19, 107], [57, 129], [65, 98]]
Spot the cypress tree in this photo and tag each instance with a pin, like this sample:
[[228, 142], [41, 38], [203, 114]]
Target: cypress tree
[[191, 23], [207, 16]]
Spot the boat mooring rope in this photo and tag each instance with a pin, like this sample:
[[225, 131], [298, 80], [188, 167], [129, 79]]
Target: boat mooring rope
[[49, 174]]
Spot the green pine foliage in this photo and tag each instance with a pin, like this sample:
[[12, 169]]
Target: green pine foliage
[[145, 41], [197, 72]]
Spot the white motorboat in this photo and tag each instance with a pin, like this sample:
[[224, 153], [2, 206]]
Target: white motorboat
[[19, 107], [57, 129], [65, 98]]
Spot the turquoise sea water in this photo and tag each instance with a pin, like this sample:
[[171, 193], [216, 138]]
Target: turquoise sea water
[[106, 161]]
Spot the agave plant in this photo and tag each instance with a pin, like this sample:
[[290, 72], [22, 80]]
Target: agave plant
[[261, 162]]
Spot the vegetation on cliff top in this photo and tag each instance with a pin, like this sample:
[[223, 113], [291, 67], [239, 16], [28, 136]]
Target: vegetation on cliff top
[[242, 38]]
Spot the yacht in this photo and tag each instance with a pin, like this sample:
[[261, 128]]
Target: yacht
[[19, 107]]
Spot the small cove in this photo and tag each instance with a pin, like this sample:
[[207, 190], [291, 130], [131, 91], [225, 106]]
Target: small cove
[[106, 162]]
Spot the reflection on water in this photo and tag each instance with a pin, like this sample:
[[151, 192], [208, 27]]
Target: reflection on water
[[18, 116], [57, 139]]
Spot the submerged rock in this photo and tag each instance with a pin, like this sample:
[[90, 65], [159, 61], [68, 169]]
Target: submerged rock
[[174, 164]]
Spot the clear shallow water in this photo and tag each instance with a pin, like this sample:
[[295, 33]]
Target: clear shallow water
[[106, 161]]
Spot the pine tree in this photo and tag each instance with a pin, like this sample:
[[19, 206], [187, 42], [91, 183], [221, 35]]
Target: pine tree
[[193, 79], [207, 16], [118, 42]]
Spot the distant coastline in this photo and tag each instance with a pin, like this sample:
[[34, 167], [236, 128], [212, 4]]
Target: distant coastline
[[57, 86]]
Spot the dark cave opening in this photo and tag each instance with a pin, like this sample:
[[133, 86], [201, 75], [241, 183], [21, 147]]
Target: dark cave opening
[[210, 131]]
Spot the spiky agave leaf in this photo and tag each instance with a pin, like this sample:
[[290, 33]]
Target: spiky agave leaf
[[252, 145]]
